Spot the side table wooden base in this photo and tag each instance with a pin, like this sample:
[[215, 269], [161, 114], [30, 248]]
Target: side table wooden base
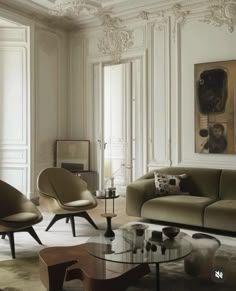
[[73, 262], [109, 232]]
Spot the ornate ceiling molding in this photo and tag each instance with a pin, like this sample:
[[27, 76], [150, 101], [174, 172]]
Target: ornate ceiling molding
[[179, 13], [144, 15], [75, 8], [222, 12], [116, 39], [160, 16], [180, 17]]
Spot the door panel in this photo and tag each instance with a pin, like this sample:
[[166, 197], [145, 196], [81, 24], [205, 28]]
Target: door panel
[[119, 123], [115, 125]]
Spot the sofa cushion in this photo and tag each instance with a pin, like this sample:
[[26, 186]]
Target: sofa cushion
[[228, 184], [221, 215], [168, 184], [200, 182], [78, 203], [177, 208]]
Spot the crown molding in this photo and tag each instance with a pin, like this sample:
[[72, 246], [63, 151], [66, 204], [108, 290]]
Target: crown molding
[[222, 13], [127, 9], [215, 12], [161, 17], [42, 17]]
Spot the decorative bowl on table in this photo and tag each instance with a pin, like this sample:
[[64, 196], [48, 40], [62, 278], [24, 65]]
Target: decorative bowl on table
[[170, 232], [139, 228]]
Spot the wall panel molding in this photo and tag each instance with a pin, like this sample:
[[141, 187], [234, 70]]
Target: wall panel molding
[[77, 101], [15, 175], [47, 94], [178, 108], [13, 156], [14, 118], [159, 94], [18, 34]]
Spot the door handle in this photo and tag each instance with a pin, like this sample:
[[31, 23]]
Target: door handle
[[104, 144]]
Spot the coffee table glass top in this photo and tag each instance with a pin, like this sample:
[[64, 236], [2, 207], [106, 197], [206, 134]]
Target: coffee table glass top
[[129, 247]]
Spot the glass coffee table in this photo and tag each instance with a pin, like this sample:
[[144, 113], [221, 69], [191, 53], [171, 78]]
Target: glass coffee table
[[131, 247]]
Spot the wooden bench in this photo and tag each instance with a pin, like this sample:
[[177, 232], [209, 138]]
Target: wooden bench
[[59, 264]]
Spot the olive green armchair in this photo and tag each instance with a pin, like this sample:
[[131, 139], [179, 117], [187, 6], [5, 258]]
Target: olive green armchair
[[65, 195], [17, 214]]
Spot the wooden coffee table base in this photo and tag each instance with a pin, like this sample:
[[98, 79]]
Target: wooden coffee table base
[[73, 262]]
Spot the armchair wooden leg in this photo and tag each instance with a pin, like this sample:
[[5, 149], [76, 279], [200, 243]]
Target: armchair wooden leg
[[72, 221], [12, 243], [32, 232], [55, 219], [70, 217], [10, 235], [85, 215]]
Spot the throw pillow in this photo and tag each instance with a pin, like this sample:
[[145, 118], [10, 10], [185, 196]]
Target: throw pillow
[[169, 184]]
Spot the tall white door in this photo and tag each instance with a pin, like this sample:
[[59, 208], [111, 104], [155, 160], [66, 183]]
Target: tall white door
[[117, 125], [120, 131]]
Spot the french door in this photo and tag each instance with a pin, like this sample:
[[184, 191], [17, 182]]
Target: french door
[[119, 124]]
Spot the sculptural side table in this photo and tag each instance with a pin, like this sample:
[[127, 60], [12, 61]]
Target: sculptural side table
[[109, 215]]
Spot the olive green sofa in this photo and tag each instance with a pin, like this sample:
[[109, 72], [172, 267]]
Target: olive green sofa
[[211, 202]]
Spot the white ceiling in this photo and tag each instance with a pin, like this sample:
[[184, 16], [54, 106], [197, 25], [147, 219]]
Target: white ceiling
[[40, 9], [48, 3]]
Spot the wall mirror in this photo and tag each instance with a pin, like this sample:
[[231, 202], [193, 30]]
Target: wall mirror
[[73, 155]]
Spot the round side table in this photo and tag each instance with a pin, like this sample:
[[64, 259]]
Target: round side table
[[200, 261], [108, 215]]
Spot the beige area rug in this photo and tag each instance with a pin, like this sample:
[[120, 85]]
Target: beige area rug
[[23, 275]]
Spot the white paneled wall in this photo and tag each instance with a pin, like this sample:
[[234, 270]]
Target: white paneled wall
[[14, 106], [77, 101], [51, 103], [33, 97], [168, 43], [61, 97], [33, 101], [199, 43]]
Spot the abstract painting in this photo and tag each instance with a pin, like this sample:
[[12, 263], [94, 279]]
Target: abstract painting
[[215, 85]]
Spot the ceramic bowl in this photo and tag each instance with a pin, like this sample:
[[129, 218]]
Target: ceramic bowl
[[170, 232]]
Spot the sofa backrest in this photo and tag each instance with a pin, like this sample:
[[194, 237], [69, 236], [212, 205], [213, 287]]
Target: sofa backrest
[[228, 185], [200, 182]]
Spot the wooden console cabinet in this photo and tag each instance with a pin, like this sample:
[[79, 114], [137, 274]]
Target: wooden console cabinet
[[90, 177]]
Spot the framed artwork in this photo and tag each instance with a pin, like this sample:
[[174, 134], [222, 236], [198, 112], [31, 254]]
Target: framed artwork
[[215, 85], [73, 155]]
